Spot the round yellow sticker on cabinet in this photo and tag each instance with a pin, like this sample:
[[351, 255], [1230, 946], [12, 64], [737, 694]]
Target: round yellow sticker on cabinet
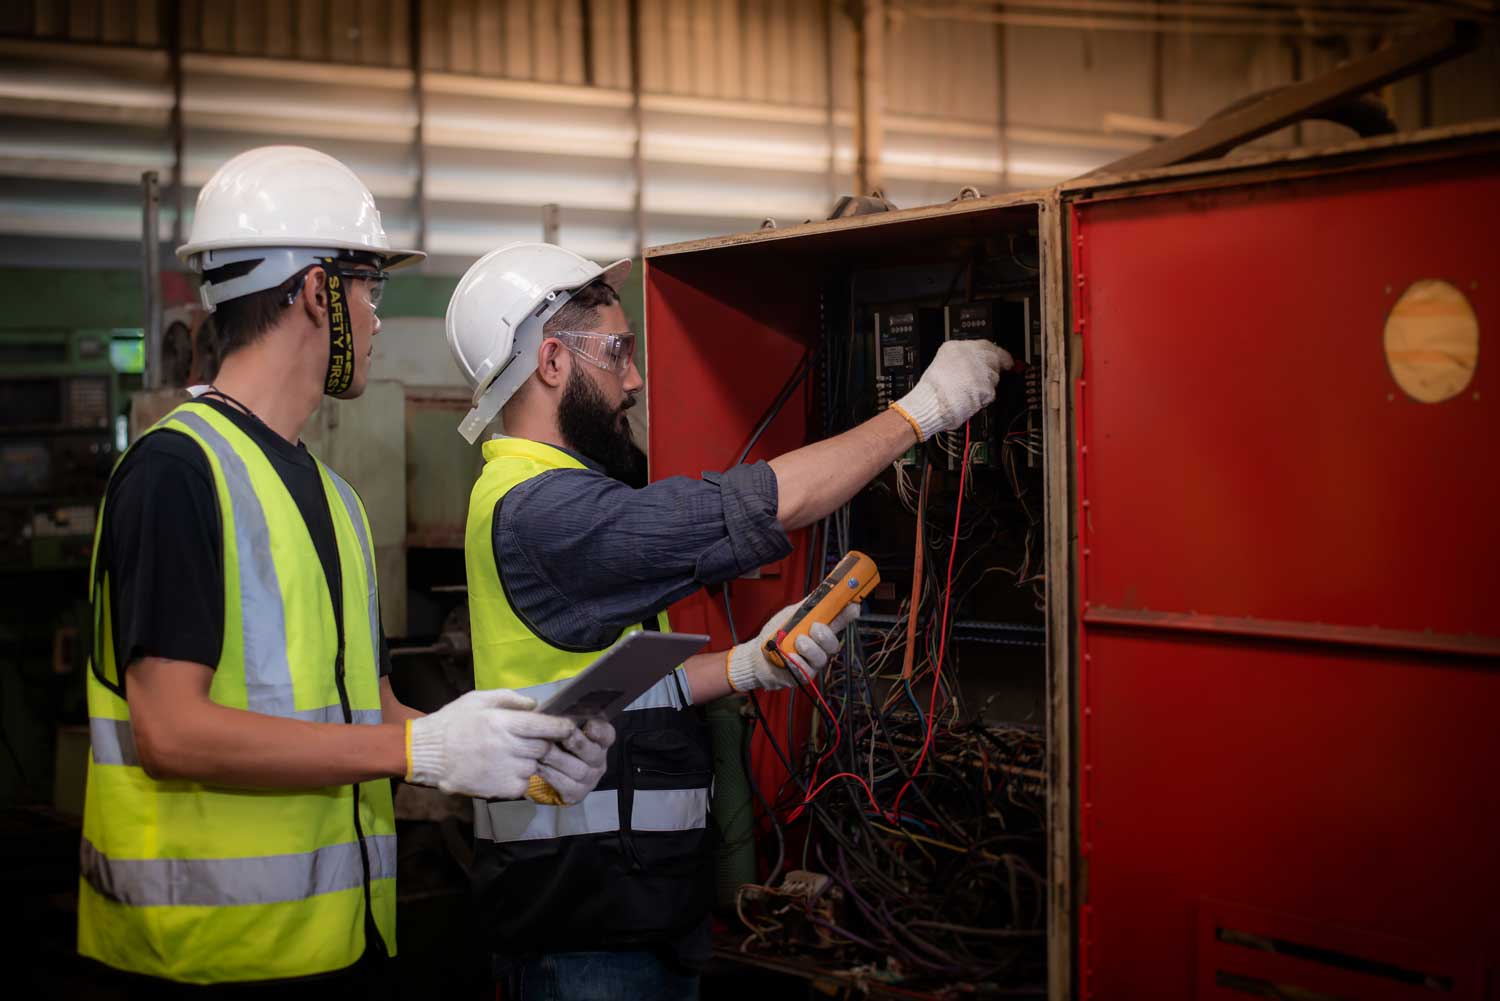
[[1432, 341]]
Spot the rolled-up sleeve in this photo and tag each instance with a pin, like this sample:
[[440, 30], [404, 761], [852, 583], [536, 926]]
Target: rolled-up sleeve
[[752, 537], [582, 556]]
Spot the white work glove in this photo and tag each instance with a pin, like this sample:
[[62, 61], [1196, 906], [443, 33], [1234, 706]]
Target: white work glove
[[749, 668], [574, 767], [956, 386], [486, 744]]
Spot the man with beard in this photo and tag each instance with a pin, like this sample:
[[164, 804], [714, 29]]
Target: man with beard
[[567, 550]]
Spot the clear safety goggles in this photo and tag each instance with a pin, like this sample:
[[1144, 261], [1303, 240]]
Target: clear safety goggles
[[374, 283], [611, 352]]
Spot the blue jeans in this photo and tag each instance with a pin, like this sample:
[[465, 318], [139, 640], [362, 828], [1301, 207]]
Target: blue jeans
[[604, 976]]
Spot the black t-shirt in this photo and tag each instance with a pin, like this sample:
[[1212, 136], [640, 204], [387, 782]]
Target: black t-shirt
[[163, 546]]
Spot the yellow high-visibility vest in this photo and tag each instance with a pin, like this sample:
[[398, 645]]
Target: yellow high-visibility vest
[[210, 884], [508, 654], [631, 866]]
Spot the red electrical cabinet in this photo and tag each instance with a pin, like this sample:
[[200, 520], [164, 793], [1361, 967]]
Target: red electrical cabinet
[[1273, 664]]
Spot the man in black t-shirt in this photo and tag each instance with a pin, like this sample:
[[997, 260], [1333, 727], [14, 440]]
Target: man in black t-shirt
[[238, 825]]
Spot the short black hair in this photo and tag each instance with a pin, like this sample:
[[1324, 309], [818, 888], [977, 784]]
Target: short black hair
[[581, 312], [243, 320]]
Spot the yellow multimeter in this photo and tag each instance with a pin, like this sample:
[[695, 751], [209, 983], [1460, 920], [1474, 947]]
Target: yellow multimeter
[[539, 790], [853, 579]]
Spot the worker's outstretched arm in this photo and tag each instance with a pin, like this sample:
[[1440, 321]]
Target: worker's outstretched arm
[[484, 744], [817, 480]]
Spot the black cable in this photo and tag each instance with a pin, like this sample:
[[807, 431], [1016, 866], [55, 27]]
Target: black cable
[[734, 639], [760, 798], [943, 884], [798, 374]]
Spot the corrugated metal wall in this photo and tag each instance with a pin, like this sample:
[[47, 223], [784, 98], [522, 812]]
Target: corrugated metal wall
[[752, 50], [746, 108]]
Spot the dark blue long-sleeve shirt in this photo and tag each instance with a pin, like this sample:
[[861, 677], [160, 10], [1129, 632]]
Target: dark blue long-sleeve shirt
[[583, 555]]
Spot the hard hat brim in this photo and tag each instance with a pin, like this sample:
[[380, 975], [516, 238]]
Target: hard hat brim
[[615, 274], [391, 259]]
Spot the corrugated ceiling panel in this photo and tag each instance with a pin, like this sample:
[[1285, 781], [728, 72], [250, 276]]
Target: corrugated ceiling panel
[[78, 124]]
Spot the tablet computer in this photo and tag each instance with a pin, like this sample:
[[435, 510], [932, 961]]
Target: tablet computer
[[622, 674]]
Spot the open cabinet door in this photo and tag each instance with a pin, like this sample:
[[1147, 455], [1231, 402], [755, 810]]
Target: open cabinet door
[[1288, 526]]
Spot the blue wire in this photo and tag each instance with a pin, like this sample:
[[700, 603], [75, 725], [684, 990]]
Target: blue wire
[[915, 704], [904, 820]]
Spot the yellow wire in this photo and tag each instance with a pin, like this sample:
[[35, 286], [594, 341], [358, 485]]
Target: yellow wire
[[933, 841]]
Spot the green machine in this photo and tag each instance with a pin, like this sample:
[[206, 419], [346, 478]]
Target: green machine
[[61, 398]]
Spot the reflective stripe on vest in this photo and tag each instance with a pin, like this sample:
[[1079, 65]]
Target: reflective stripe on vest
[[113, 742], [662, 695], [357, 517], [599, 813], [268, 675], [232, 882]]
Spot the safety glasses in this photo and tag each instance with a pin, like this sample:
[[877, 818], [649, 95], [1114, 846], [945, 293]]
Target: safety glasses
[[611, 352], [374, 282]]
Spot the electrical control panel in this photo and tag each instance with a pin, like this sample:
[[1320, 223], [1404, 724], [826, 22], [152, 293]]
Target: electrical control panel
[[932, 721], [898, 353], [972, 321]]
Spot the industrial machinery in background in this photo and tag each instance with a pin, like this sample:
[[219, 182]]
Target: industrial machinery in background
[[60, 400], [62, 394]]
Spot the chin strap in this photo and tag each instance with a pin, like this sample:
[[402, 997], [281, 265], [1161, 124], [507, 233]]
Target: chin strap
[[484, 411], [340, 334]]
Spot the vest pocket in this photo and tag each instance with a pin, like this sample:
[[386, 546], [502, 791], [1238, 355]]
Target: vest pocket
[[665, 782]]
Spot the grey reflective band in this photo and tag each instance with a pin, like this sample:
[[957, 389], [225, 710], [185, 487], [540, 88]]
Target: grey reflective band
[[351, 505], [335, 714], [652, 809], [232, 882], [599, 813], [268, 675], [662, 695], [112, 742]]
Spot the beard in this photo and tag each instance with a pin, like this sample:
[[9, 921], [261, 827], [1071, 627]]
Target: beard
[[599, 431]]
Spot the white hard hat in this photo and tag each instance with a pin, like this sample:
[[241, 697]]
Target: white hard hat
[[276, 210], [497, 312]]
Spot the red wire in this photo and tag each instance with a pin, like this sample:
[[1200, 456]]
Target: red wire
[[937, 669], [838, 736], [894, 814]]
